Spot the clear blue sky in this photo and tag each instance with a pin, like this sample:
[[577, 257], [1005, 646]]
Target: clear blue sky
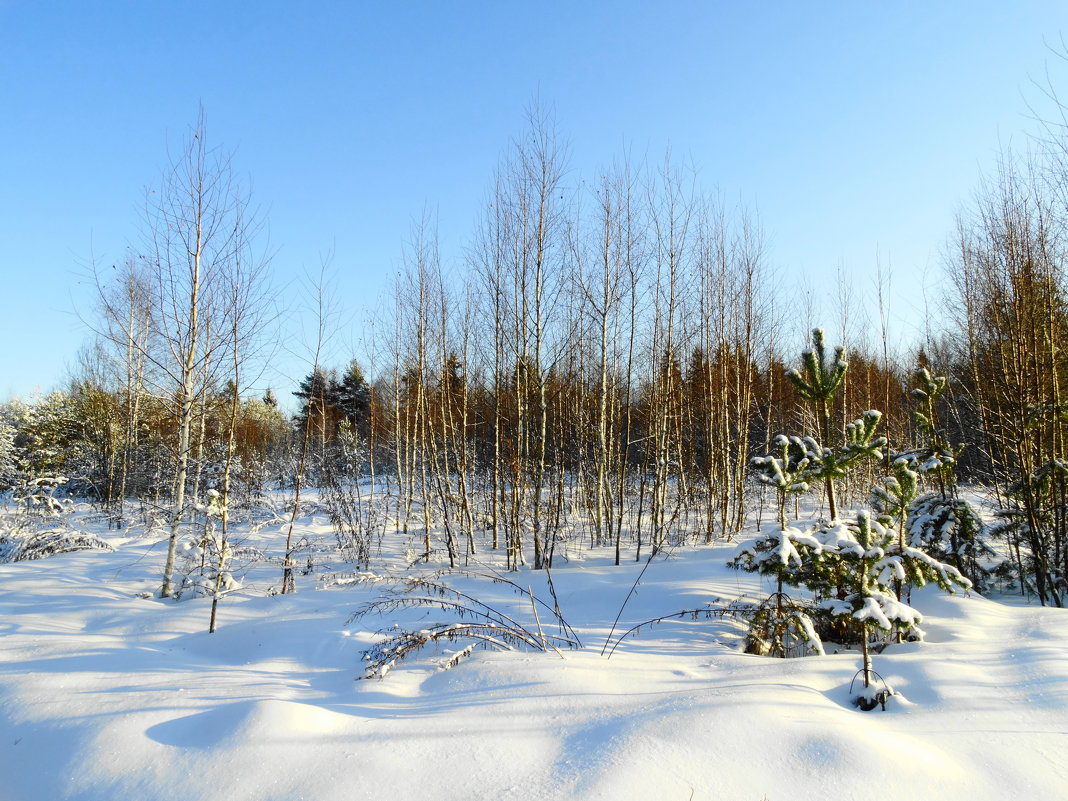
[[857, 129]]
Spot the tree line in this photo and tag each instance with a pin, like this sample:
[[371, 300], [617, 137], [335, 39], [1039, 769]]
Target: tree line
[[598, 369]]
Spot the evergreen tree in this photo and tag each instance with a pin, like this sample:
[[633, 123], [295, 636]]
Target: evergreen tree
[[8, 456], [318, 400], [940, 522], [855, 570], [821, 380], [868, 565], [781, 626], [352, 395]]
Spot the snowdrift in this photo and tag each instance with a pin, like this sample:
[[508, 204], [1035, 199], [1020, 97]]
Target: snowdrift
[[109, 696]]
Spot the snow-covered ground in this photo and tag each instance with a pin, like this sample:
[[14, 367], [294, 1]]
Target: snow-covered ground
[[111, 696]]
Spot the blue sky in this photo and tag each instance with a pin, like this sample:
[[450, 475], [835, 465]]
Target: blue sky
[[856, 129]]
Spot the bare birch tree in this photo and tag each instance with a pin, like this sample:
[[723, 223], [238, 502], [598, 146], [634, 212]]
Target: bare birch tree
[[194, 226]]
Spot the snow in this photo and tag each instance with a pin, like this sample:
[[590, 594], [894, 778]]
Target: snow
[[105, 695]]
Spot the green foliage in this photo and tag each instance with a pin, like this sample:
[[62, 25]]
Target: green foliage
[[352, 395], [783, 554], [892, 497], [8, 456], [950, 529], [860, 444], [937, 458], [822, 375], [782, 627], [868, 562], [939, 523], [853, 567], [787, 470]]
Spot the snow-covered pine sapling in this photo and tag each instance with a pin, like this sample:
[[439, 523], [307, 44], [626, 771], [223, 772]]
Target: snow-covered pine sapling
[[892, 499], [819, 383], [941, 523], [950, 529], [783, 553], [867, 603], [832, 464], [937, 458], [786, 471], [871, 564], [780, 626]]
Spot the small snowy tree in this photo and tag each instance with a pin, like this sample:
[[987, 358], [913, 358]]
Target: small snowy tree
[[940, 522], [854, 569], [870, 565], [781, 625], [892, 498], [786, 471], [796, 557], [860, 444], [951, 529], [818, 384], [8, 456], [937, 458]]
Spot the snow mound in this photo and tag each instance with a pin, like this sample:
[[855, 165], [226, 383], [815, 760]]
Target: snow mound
[[107, 697]]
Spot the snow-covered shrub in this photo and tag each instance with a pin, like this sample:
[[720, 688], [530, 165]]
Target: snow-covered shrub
[[472, 624], [8, 457], [22, 543], [41, 497], [205, 584], [950, 529], [786, 471], [355, 522], [782, 626], [209, 565]]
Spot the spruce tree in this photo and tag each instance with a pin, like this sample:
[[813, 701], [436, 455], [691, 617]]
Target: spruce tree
[[317, 398], [352, 395]]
